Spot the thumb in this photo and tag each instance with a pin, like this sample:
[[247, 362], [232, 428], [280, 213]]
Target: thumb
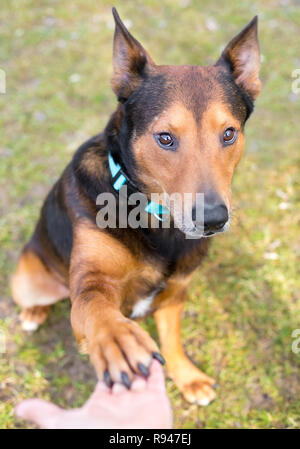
[[43, 413]]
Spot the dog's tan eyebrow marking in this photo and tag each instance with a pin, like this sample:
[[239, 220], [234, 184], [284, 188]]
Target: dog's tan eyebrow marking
[[218, 115], [177, 118]]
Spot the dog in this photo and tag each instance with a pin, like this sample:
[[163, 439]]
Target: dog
[[176, 129]]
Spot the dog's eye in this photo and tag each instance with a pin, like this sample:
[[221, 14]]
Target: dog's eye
[[229, 135], [166, 141]]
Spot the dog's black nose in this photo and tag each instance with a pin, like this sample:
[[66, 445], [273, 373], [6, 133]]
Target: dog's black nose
[[215, 214]]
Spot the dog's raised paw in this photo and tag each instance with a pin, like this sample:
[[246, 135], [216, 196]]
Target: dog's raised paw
[[123, 350]]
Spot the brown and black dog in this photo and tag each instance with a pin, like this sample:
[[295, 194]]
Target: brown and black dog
[[176, 129]]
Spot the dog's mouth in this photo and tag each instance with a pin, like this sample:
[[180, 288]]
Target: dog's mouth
[[212, 233], [192, 232]]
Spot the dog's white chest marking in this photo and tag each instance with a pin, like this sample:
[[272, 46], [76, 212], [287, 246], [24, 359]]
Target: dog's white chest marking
[[143, 305]]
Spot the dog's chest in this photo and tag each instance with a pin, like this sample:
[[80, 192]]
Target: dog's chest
[[142, 286], [144, 305]]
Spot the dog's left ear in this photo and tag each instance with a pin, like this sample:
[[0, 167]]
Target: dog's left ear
[[243, 58], [131, 62]]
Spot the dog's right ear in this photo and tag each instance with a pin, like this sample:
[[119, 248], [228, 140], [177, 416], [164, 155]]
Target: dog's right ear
[[130, 61]]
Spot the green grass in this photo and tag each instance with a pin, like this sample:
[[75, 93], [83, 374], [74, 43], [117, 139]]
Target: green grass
[[244, 301]]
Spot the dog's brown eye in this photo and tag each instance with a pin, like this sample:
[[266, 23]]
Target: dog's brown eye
[[229, 135], [166, 141]]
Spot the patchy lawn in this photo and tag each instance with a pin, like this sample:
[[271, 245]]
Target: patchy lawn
[[244, 301]]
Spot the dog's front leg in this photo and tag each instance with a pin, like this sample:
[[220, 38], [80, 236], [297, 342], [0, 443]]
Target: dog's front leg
[[118, 347], [194, 385]]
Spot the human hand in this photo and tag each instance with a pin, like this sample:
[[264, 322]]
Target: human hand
[[144, 406]]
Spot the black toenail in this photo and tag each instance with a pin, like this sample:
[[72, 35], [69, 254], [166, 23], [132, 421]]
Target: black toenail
[[107, 379], [125, 379], [159, 357], [143, 369]]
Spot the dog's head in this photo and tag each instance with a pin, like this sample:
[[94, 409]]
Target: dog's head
[[182, 127]]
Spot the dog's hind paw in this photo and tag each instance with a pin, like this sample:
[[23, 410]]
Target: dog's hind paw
[[199, 393], [33, 317]]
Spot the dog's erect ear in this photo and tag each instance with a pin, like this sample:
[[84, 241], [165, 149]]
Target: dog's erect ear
[[243, 57], [130, 61]]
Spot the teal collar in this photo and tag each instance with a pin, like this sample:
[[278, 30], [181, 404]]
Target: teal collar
[[119, 178]]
